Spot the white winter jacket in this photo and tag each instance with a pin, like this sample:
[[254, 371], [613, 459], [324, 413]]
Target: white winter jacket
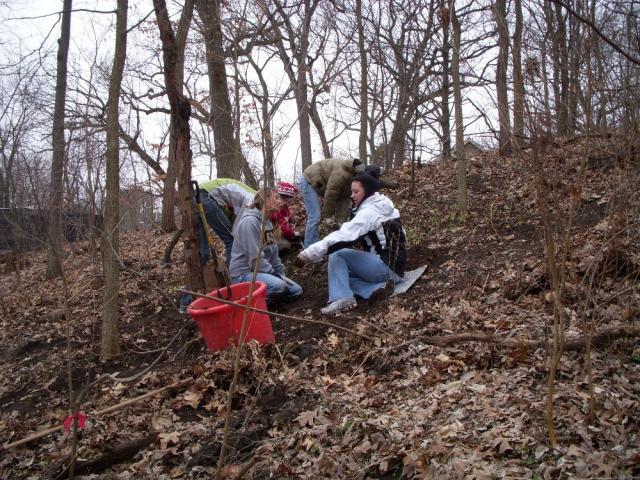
[[369, 217]]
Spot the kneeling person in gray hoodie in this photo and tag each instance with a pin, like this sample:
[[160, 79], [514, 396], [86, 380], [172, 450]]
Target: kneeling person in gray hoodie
[[246, 246]]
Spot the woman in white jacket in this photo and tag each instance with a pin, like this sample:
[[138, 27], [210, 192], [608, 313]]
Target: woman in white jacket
[[370, 273]]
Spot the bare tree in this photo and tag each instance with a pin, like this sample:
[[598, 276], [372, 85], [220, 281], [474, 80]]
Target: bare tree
[[269, 102], [168, 222], [409, 54], [364, 105], [110, 345], [20, 109], [294, 59], [444, 11], [181, 112], [518, 81], [228, 157], [461, 165], [500, 14], [54, 252]]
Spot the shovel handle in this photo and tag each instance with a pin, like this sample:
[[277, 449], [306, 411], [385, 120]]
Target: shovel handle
[[196, 190]]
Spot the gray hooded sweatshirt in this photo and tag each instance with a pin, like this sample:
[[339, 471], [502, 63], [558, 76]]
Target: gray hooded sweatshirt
[[246, 243]]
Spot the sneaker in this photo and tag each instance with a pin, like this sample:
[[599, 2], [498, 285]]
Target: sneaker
[[382, 293], [337, 306]]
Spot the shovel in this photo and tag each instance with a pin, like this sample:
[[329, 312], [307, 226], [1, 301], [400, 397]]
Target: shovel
[[221, 273]]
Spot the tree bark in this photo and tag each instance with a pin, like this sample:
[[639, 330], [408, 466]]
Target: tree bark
[[168, 221], [111, 236], [299, 41], [54, 251], [500, 12], [574, 76], [180, 112], [302, 102], [267, 135], [562, 66], [314, 115], [364, 98], [228, 158], [461, 165], [445, 117], [518, 81]]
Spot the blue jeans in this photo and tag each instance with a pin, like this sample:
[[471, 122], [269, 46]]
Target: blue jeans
[[312, 206], [277, 289], [355, 272], [219, 223]]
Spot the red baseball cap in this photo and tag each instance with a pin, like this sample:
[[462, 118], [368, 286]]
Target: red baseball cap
[[287, 189]]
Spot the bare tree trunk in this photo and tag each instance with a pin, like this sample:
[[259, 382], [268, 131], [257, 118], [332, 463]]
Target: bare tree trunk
[[555, 60], [267, 135], [299, 40], [54, 252], [168, 219], [317, 122], [545, 82], [500, 11], [562, 104], [228, 157], [364, 99], [4, 191], [301, 89], [245, 169], [461, 165], [396, 147], [111, 237], [574, 80], [445, 117], [181, 112], [168, 222], [554, 274], [518, 81], [267, 139]]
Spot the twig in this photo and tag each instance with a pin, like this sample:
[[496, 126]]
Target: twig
[[152, 364], [247, 467], [575, 343], [104, 411], [243, 327], [282, 315]]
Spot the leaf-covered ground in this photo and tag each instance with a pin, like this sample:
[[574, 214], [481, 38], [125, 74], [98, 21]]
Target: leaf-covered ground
[[413, 400]]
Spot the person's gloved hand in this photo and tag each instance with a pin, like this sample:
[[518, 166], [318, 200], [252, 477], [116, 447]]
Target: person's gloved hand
[[303, 257], [313, 254]]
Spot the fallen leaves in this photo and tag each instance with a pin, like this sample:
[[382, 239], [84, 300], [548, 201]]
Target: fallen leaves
[[323, 405], [166, 439]]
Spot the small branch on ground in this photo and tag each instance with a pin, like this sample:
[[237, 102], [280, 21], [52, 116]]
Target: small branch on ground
[[104, 411], [578, 343]]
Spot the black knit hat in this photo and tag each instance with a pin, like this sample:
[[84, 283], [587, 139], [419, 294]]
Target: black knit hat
[[373, 170], [370, 183]]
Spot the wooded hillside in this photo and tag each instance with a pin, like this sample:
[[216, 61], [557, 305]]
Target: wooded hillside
[[447, 380]]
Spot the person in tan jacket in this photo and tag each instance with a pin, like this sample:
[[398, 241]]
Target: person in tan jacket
[[329, 179]]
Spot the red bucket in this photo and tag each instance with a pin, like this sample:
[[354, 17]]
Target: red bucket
[[219, 322]]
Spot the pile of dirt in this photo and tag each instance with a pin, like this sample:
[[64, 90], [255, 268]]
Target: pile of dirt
[[448, 379]]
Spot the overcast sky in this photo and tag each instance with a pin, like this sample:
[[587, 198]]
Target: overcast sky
[[34, 25]]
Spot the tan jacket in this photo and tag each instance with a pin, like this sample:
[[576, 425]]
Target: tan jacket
[[331, 179]]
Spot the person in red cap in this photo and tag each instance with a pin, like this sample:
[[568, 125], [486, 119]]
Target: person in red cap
[[283, 217]]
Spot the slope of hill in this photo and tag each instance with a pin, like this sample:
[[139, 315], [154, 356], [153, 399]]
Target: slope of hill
[[448, 380]]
